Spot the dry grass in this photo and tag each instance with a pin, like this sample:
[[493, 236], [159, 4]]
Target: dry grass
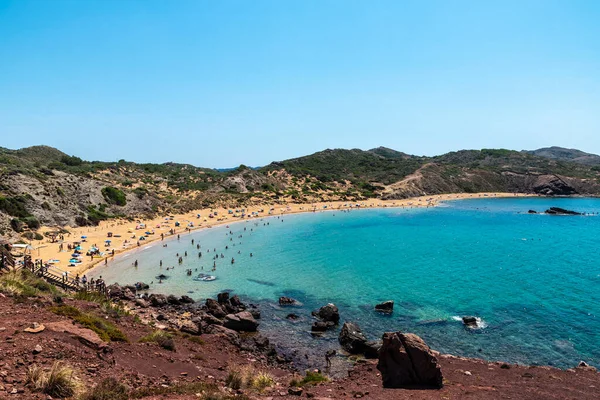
[[247, 377], [107, 389], [58, 381]]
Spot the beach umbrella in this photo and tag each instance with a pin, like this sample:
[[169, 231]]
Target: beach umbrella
[[84, 237]]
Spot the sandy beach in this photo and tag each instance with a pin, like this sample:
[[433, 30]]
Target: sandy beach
[[129, 235]]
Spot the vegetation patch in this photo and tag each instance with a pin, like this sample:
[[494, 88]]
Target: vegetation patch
[[23, 283], [14, 206], [114, 196], [106, 330], [311, 378], [162, 338], [209, 391]]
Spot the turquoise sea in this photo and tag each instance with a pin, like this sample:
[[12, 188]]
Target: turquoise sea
[[534, 280]]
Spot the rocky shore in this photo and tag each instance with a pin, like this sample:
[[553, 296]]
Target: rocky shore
[[205, 344]]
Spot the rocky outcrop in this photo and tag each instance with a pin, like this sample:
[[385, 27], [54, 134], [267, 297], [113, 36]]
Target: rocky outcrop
[[552, 185], [230, 334], [385, 307], [158, 300], [188, 326], [352, 339], [215, 308], [560, 211], [120, 292], [328, 313], [241, 322], [405, 360]]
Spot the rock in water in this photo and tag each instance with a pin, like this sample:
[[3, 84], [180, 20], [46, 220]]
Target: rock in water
[[405, 360], [243, 321], [470, 322], [287, 301], [352, 339], [386, 306], [561, 211], [328, 313]]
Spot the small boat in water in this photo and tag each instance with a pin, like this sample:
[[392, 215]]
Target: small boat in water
[[205, 278]]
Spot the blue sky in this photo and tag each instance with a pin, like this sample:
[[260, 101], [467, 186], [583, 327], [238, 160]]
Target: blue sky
[[220, 83]]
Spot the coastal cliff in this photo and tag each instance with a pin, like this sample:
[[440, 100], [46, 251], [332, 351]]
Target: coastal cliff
[[41, 185]]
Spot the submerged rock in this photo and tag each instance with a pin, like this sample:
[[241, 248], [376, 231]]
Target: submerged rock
[[386, 306], [321, 326], [405, 360], [287, 301]]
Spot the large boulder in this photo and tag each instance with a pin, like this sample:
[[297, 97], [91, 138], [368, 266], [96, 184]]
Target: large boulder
[[405, 360], [171, 299], [241, 322], [352, 339], [190, 327], [227, 333], [211, 320], [223, 298], [470, 321], [328, 313], [120, 292], [186, 300], [158, 300], [372, 349], [386, 306], [213, 307]]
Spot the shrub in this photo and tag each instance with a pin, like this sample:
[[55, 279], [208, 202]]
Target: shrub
[[107, 389], [114, 196], [32, 222], [59, 381], [162, 338], [14, 206], [71, 161], [16, 224]]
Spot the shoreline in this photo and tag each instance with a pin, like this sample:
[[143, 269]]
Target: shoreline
[[127, 231]]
